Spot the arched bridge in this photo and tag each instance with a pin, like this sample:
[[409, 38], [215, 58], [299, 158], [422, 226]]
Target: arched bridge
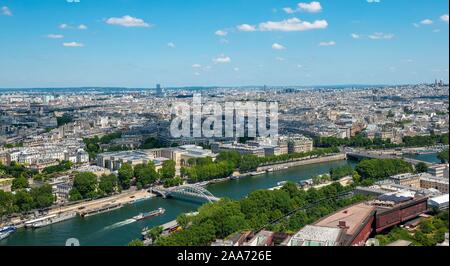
[[190, 191]]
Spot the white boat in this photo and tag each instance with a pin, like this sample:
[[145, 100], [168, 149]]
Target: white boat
[[257, 173], [143, 216], [282, 183], [7, 231], [48, 220]]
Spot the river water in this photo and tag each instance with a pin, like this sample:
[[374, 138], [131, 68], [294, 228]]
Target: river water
[[115, 228], [431, 157]]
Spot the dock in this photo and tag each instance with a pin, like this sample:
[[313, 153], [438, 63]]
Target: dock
[[103, 209]]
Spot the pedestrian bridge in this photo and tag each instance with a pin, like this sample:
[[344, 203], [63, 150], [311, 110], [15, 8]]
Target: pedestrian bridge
[[186, 192]]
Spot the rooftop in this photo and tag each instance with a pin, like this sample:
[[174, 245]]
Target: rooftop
[[312, 235], [352, 218]]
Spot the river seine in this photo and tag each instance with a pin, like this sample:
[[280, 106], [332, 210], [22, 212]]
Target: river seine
[[116, 228]]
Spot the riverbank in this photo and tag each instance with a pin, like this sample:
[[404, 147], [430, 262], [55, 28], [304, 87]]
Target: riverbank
[[300, 162], [86, 206], [277, 167], [116, 228]]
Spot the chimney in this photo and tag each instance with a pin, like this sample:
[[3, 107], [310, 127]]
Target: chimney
[[342, 225]]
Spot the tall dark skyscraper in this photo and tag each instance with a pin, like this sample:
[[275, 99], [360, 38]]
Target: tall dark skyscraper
[[159, 91]]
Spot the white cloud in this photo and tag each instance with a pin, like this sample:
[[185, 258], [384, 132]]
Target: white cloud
[[436, 30], [289, 10], [416, 25], [292, 24], [426, 22], [128, 21], [196, 74], [221, 33], [196, 66], [73, 44], [55, 36], [312, 7], [445, 18], [355, 36], [222, 59], [236, 69], [6, 11], [299, 66], [278, 58], [330, 43], [246, 27], [278, 46], [381, 36], [171, 45], [64, 26], [373, 1]]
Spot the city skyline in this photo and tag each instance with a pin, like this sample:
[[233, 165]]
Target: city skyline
[[224, 43]]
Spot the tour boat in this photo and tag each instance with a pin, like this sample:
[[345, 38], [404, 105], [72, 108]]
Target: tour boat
[[143, 216]]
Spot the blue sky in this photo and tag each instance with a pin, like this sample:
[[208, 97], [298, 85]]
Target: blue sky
[[138, 43]]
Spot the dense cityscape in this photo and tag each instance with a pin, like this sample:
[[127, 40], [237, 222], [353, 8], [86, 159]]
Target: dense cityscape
[[93, 151], [176, 124]]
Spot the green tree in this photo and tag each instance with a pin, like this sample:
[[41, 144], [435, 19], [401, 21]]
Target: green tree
[[249, 163], [145, 174], [421, 167], [136, 243], [108, 184], [23, 200], [125, 175], [382, 168], [356, 177], [74, 195], [42, 196], [168, 169], [443, 156], [85, 184], [173, 182], [183, 220], [6, 203], [155, 232], [19, 183]]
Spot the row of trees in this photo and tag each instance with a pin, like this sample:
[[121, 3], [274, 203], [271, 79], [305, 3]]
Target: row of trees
[[64, 119], [226, 162], [376, 169], [202, 172], [61, 167], [360, 141], [88, 186], [93, 144], [443, 156], [339, 172], [23, 200], [15, 170], [226, 217]]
